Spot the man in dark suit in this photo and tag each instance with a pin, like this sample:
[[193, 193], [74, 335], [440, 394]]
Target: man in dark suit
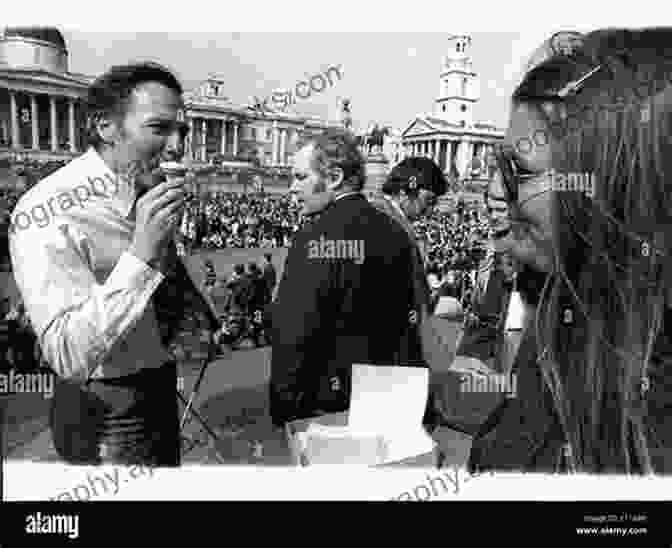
[[347, 292]]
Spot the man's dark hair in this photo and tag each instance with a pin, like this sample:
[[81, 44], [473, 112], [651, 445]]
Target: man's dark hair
[[110, 94], [337, 148], [267, 256], [423, 171]]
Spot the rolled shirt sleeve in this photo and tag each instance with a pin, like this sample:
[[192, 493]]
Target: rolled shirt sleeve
[[77, 319]]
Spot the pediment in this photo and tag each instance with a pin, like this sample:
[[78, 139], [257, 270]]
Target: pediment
[[418, 127]]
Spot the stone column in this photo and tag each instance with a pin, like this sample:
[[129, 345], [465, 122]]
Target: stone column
[[437, 149], [54, 123], [34, 121], [275, 144], [223, 142], [283, 147], [192, 138], [14, 121], [71, 125], [204, 153], [235, 138]]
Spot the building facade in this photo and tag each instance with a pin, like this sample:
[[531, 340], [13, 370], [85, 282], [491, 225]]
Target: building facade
[[450, 135], [220, 129], [43, 116]]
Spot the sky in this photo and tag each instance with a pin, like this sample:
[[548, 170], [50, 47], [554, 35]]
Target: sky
[[390, 78]]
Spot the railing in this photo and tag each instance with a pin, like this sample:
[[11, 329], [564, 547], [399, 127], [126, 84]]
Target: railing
[[28, 154]]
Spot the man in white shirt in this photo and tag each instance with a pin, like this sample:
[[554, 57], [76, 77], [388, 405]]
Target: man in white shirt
[[94, 259]]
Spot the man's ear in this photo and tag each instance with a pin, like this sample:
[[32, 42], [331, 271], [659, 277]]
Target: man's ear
[[336, 177]]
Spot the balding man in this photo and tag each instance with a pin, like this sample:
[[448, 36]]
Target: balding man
[[347, 293]]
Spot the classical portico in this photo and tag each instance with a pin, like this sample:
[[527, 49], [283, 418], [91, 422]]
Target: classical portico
[[212, 133], [220, 128], [38, 119], [40, 101], [449, 135]]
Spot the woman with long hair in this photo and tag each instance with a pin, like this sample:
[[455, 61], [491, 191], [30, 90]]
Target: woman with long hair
[[590, 205]]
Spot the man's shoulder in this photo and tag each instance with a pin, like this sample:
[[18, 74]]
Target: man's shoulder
[[62, 180], [362, 212]]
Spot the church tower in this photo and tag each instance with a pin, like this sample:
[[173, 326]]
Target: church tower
[[458, 92]]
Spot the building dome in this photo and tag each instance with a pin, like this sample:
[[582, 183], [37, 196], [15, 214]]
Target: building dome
[[35, 48], [43, 34]]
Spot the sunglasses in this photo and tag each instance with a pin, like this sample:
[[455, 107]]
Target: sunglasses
[[512, 174]]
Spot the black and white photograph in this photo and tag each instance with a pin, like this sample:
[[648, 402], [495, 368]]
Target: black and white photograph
[[435, 253]]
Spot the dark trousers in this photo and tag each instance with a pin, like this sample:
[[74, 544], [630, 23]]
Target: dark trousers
[[125, 421]]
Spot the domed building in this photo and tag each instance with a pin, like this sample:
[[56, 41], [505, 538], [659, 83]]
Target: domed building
[[41, 113], [43, 117]]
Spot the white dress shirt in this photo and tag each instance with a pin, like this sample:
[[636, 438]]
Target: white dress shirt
[[87, 297]]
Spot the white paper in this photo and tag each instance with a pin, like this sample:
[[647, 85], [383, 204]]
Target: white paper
[[339, 445], [391, 401], [448, 306]]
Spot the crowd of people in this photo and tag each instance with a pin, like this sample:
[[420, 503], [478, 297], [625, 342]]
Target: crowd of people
[[235, 220], [590, 272], [455, 245], [243, 300]]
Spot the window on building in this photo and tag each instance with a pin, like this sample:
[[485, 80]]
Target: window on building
[[444, 108], [253, 133], [268, 134], [465, 82]]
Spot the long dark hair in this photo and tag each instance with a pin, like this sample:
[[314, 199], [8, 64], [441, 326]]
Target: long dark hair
[[602, 309]]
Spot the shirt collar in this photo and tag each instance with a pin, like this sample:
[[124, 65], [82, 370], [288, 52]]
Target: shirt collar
[[353, 193], [124, 196], [396, 206]]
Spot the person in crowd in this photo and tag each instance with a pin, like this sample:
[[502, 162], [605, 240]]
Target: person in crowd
[[593, 395], [233, 286], [326, 304], [269, 274], [258, 302], [102, 283], [210, 280]]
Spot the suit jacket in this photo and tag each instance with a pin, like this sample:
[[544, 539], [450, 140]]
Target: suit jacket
[[333, 313], [481, 341], [433, 351], [270, 276]]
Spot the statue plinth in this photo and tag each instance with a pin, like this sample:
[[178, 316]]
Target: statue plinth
[[377, 168]]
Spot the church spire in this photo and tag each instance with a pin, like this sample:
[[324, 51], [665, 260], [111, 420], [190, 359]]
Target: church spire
[[458, 92]]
